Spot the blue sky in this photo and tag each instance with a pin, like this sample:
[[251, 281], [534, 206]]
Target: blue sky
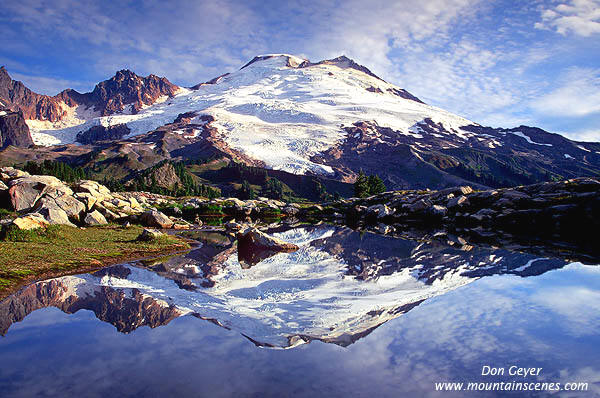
[[499, 63]]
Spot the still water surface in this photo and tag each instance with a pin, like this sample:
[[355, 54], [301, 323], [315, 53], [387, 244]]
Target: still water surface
[[348, 314]]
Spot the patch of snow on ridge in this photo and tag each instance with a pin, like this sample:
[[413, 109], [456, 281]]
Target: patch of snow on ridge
[[285, 115], [520, 134]]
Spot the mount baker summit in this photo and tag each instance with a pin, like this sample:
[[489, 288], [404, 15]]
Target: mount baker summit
[[328, 119]]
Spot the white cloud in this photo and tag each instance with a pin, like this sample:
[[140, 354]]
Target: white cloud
[[577, 95], [583, 135], [368, 31], [581, 17]]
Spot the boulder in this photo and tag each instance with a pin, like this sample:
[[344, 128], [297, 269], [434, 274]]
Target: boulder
[[232, 226], [87, 199], [459, 201], [465, 190], [149, 235], [94, 188], [419, 205], [3, 186], [134, 204], [384, 229], [24, 192], [438, 210], [255, 239], [94, 218], [63, 200], [181, 225], [255, 246], [108, 214], [55, 215], [380, 210], [30, 221], [154, 218], [10, 173], [122, 204]]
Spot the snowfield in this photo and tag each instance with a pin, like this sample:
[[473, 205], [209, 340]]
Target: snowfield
[[279, 114]]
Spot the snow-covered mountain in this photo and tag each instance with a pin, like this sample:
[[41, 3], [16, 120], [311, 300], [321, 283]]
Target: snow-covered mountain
[[329, 118], [278, 109]]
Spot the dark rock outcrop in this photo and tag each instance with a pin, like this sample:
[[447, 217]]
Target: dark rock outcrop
[[13, 130], [162, 175], [436, 158], [102, 133]]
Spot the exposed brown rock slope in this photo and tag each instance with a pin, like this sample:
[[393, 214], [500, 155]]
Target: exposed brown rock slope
[[108, 97]]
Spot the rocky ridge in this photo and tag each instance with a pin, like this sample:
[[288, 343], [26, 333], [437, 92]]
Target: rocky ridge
[[125, 91], [548, 213]]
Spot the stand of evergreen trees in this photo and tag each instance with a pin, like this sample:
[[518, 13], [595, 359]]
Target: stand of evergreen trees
[[368, 185], [60, 170], [272, 188], [246, 192]]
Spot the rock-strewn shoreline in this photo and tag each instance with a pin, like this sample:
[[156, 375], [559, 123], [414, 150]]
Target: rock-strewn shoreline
[[566, 211]]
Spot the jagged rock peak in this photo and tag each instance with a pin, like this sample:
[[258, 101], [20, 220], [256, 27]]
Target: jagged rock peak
[[126, 87], [16, 96]]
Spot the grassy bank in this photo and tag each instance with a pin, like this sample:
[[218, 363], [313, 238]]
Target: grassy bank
[[26, 256]]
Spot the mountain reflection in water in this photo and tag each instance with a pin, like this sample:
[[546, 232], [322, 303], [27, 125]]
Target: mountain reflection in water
[[338, 287]]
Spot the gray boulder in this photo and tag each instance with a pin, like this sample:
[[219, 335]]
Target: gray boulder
[[94, 218], [380, 210], [149, 235], [156, 219], [64, 200], [419, 205], [55, 215], [459, 201]]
